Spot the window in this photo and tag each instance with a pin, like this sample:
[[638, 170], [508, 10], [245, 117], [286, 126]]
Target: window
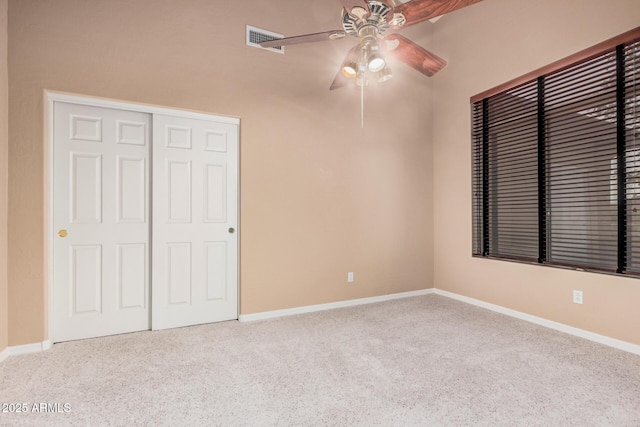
[[556, 163]]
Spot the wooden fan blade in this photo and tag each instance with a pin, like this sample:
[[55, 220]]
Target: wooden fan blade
[[421, 10], [305, 38], [350, 4], [341, 80], [413, 55]]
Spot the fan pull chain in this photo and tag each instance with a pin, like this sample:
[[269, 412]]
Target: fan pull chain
[[362, 106]]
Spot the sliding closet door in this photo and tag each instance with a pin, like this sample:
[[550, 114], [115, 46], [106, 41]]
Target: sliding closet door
[[195, 218], [101, 221]]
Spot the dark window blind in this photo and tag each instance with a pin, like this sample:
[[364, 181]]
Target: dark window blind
[[556, 165], [580, 112], [632, 143], [477, 178], [512, 128]]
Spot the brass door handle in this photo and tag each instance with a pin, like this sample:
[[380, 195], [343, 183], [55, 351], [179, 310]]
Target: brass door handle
[[231, 230], [62, 233]]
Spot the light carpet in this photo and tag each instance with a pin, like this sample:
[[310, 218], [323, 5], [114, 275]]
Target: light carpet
[[418, 361]]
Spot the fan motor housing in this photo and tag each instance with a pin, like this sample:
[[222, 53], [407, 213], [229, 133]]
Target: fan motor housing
[[352, 24]]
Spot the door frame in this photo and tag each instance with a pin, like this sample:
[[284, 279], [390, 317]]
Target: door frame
[[50, 98]]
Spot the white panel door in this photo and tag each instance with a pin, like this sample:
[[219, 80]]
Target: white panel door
[[101, 221], [195, 218]]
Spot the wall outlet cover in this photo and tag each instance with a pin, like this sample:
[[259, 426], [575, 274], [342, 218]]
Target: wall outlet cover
[[577, 297]]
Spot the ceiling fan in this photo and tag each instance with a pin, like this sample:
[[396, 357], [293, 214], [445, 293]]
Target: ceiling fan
[[370, 21]]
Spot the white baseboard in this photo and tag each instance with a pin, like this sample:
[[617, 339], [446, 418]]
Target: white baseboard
[[591, 336], [329, 306], [25, 349]]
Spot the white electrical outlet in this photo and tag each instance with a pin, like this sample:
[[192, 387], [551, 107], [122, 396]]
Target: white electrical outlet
[[350, 277], [577, 297]]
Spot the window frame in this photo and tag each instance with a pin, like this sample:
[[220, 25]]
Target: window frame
[[480, 175]]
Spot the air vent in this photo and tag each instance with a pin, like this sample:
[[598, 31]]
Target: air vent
[[255, 36]]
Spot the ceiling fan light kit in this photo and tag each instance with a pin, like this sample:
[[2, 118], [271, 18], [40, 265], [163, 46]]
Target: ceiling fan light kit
[[376, 63], [350, 65], [368, 26], [362, 60], [350, 69], [369, 21], [384, 75]]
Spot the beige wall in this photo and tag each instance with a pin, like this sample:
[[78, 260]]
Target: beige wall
[[4, 153], [488, 44], [320, 196]]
